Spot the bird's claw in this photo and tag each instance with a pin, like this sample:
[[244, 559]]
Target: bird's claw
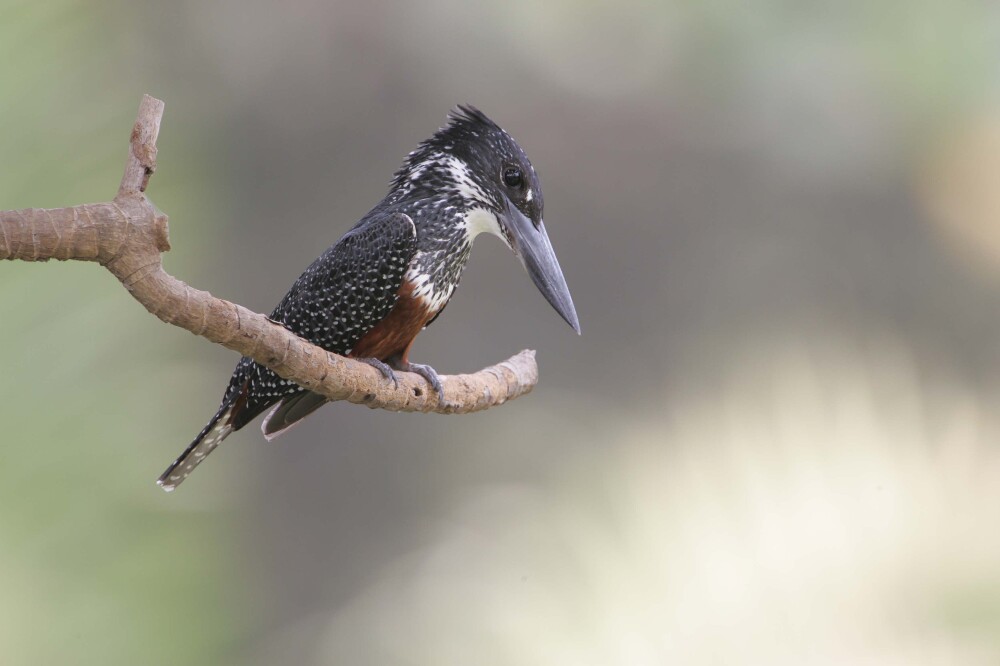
[[386, 371], [432, 377], [425, 371]]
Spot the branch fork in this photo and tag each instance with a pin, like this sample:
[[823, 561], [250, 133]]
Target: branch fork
[[127, 235]]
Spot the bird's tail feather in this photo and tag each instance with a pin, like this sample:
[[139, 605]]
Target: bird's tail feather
[[206, 441], [290, 412]]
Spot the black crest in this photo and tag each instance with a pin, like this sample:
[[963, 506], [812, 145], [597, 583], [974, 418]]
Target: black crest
[[466, 117], [469, 135]]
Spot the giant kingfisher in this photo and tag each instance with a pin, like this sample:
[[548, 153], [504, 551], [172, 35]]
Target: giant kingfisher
[[370, 294]]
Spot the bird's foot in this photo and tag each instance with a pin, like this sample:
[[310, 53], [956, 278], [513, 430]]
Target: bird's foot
[[428, 373], [386, 371]]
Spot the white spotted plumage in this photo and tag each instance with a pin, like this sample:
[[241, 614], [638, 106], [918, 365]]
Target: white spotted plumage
[[464, 183], [420, 235], [209, 438]]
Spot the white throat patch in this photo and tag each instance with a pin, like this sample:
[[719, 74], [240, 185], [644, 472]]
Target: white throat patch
[[481, 220]]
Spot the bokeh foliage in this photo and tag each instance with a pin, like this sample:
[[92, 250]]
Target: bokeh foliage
[[95, 566], [774, 442]]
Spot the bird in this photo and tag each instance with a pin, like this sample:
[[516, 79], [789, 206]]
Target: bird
[[392, 274]]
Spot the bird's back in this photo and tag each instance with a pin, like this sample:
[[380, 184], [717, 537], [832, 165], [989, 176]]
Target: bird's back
[[339, 298], [336, 301]]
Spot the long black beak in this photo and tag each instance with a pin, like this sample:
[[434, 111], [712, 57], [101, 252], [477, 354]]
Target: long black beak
[[532, 246]]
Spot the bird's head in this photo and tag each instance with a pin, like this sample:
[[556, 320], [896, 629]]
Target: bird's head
[[475, 169]]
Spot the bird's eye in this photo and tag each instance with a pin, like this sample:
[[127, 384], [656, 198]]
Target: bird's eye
[[512, 177]]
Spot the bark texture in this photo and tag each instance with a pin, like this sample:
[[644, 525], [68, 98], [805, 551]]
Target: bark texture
[[127, 235]]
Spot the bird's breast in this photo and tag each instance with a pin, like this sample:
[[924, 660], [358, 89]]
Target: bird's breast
[[434, 274], [395, 333]]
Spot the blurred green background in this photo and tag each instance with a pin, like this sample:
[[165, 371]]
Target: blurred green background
[[776, 441]]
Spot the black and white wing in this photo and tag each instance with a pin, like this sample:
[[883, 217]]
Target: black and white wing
[[334, 303]]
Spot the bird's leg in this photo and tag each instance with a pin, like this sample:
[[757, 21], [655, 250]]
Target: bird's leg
[[386, 371], [400, 362]]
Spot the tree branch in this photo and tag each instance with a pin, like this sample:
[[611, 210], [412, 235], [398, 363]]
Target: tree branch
[[127, 235]]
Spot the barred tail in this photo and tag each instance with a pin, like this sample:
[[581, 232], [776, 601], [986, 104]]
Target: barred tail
[[206, 441]]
